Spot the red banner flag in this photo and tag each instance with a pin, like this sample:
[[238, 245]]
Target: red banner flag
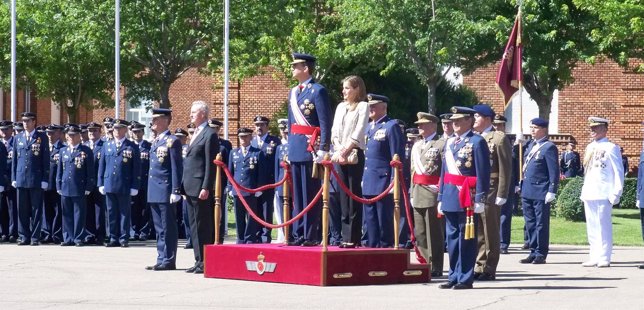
[[510, 75]]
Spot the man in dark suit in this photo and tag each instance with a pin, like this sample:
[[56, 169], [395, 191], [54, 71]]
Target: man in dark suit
[[164, 184], [29, 175], [52, 230], [95, 221], [141, 217], [570, 162], [267, 144], [119, 179], [8, 207], [538, 189], [199, 181]]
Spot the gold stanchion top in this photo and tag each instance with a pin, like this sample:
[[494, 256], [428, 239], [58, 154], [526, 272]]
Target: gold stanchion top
[[396, 157]]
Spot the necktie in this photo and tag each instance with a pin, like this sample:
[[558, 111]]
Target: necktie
[[194, 136], [118, 144], [244, 151]]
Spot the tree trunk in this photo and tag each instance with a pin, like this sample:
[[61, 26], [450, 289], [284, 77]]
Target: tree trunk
[[165, 95], [431, 97], [543, 97]]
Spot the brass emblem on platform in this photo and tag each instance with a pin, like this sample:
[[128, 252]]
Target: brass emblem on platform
[[260, 266]]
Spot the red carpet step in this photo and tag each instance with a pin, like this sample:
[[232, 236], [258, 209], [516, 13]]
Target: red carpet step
[[311, 266]]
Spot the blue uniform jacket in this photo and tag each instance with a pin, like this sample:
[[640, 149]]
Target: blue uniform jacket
[[4, 178], [570, 164], [383, 141], [98, 146], [9, 159], [472, 157], [144, 149], [280, 152], [30, 165], [166, 169], [313, 102], [119, 170], [54, 159], [245, 169], [75, 171], [226, 144], [640, 181], [268, 149], [541, 173]]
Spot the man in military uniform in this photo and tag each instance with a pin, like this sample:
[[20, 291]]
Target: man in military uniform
[[570, 162], [164, 188], [119, 179], [267, 144], [309, 115], [29, 175], [282, 154], [108, 123], [52, 230], [508, 208], [466, 170], [602, 189], [4, 183], [84, 133], [8, 206], [95, 220], [384, 140], [488, 223], [141, 217], [225, 147], [426, 166], [75, 179], [183, 136], [538, 190]]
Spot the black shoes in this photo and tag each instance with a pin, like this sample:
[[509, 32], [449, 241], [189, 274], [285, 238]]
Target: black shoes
[[462, 286], [112, 244], [347, 245], [152, 267], [641, 266], [191, 269], [437, 274], [297, 242], [23, 242], [35, 243], [539, 260], [505, 251], [124, 245], [188, 246], [447, 285], [66, 243], [80, 244], [310, 243], [485, 277], [164, 267], [525, 246], [199, 270], [527, 260]]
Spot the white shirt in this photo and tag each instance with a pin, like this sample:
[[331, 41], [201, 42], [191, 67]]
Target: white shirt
[[604, 177]]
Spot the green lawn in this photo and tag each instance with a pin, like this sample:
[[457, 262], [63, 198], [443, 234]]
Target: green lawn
[[627, 229]]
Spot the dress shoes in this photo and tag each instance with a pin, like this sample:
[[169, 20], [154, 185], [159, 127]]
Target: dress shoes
[[66, 244], [505, 251], [347, 245], [152, 267], [124, 245], [477, 275], [486, 277], [447, 285], [336, 243], [527, 260], [23, 242], [589, 264], [35, 243], [99, 243], [603, 264], [4, 238], [296, 242], [525, 246], [112, 244], [188, 246], [191, 269], [164, 267], [134, 238], [199, 270], [143, 237], [80, 244], [13, 239], [46, 241], [640, 266], [310, 243], [539, 260], [437, 274], [462, 286]]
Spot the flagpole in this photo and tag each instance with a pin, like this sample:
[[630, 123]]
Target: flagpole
[[226, 63], [117, 58], [520, 135], [13, 61]]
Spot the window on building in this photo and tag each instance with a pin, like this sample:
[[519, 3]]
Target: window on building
[[141, 115]]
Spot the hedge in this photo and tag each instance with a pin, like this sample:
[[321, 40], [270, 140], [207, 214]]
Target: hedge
[[570, 207]]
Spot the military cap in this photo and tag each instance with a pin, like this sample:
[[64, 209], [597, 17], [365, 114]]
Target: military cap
[[446, 118], [375, 98], [412, 132], [41, 128], [72, 129], [425, 118], [596, 121], [83, 127], [261, 119], [499, 119], [158, 112], [282, 123], [93, 125], [18, 126], [401, 123], [213, 123], [484, 110], [6, 124], [191, 128], [136, 126], [180, 132], [244, 132], [28, 115], [108, 121], [54, 127], [120, 123], [300, 58], [460, 112], [540, 122]]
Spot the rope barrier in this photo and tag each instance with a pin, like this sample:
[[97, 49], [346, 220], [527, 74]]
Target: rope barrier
[[419, 256], [353, 196], [287, 175]]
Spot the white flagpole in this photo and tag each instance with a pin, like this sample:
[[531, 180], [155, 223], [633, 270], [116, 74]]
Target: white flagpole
[[117, 58], [226, 63], [13, 61]]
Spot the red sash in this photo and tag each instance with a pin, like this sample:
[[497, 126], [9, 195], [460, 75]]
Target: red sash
[[312, 131], [423, 179], [465, 183]]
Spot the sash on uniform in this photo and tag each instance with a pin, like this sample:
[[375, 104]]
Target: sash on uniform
[[301, 125], [423, 179], [454, 177]]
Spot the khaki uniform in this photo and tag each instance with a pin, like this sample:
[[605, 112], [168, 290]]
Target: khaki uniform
[[428, 228], [489, 222]]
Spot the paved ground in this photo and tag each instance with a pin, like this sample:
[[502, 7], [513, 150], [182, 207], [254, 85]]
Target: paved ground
[[52, 277]]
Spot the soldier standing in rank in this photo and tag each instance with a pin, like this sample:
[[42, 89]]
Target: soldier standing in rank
[[488, 222], [570, 162], [4, 183], [281, 155], [95, 215], [8, 207], [52, 229], [426, 166], [119, 179], [182, 136], [267, 144], [384, 140], [309, 115], [164, 185], [508, 208], [75, 179], [602, 189], [466, 170], [225, 147], [108, 122], [141, 217], [244, 164], [538, 190], [29, 174], [84, 133]]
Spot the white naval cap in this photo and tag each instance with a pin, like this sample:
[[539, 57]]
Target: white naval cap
[[596, 121]]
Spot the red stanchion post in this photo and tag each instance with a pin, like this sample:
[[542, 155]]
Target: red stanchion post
[[217, 199], [396, 201]]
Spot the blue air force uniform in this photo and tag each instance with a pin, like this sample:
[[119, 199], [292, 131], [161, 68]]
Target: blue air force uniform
[[141, 218], [95, 215], [570, 164], [52, 230], [75, 180], [30, 172], [164, 184], [119, 173], [8, 207]]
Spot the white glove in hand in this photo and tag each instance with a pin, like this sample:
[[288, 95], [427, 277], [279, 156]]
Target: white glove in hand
[[230, 193], [1, 189], [433, 188], [637, 203], [86, 193], [174, 198], [517, 189], [14, 184], [257, 194], [550, 197], [101, 189], [500, 201], [59, 192], [613, 200], [411, 201], [479, 207], [44, 185], [320, 156], [440, 208], [133, 192]]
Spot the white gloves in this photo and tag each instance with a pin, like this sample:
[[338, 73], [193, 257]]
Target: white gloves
[[257, 194], [133, 192], [1, 189], [517, 189], [411, 201], [86, 193], [479, 207], [44, 185], [230, 193], [319, 156], [59, 192], [174, 198], [433, 188], [613, 200], [637, 203], [500, 201], [101, 189], [440, 208], [550, 197], [14, 184]]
